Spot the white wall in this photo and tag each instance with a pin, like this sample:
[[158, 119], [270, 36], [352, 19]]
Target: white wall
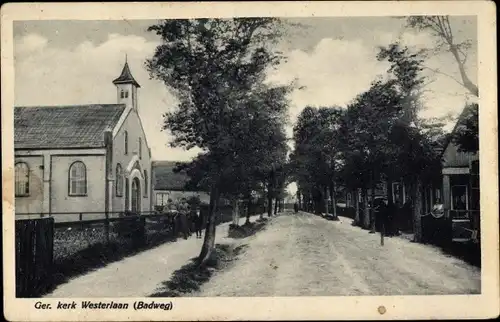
[[132, 125]]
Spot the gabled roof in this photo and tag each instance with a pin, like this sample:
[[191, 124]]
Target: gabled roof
[[165, 178], [59, 127], [126, 77]]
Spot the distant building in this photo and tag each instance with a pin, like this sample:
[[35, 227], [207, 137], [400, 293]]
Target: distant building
[[82, 158], [170, 186]]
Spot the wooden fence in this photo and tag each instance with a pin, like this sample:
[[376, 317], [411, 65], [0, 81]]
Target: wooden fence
[[34, 254]]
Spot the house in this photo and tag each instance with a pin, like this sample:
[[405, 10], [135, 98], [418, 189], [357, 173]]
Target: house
[[89, 159], [461, 189], [170, 186]]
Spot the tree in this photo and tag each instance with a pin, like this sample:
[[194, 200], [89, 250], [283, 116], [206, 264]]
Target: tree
[[441, 28], [315, 161], [414, 152], [466, 134], [217, 68]]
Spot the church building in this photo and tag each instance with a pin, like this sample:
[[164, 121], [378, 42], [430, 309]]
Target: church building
[[91, 160]]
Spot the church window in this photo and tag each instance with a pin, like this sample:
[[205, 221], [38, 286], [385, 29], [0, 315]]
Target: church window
[[119, 180], [146, 184], [22, 179], [126, 141], [77, 179], [140, 148]]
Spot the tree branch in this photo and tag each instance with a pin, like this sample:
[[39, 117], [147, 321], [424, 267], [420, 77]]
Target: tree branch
[[437, 71]]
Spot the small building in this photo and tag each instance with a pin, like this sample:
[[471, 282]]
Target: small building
[[461, 189], [169, 186], [89, 159]]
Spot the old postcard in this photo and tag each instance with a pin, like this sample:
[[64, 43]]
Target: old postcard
[[249, 161]]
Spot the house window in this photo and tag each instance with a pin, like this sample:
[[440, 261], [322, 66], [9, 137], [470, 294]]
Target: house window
[[398, 193], [22, 179], [125, 139], [77, 179], [146, 184], [459, 198], [126, 94], [122, 94], [119, 180], [140, 148]]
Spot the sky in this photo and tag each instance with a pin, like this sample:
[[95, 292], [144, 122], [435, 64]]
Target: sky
[[333, 59]]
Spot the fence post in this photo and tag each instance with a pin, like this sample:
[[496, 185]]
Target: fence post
[[80, 216]]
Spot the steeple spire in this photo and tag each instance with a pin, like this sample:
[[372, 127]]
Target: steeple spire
[[126, 76]]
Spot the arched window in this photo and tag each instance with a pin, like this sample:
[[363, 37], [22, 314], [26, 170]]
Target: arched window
[[146, 184], [22, 179], [119, 180], [77, 179], [140, 148], [125, 139]]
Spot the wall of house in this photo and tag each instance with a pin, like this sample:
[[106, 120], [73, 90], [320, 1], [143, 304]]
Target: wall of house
[[33, 202], [61, 201], [132, 125]]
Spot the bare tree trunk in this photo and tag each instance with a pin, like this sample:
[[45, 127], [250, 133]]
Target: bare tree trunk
[[209, 241], [276, 201], [333, 192], [269, 199], [372, 208], [366, 216], [249, 206], [325, 198], [417, 210], [236, 212], [356, 205]]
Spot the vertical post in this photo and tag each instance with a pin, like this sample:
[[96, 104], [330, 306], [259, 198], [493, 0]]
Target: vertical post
[[80, 216], [108, 142]]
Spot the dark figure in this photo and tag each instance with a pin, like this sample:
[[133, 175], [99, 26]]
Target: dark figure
[[198, 222], [296, 207], [390, 225], [183, 218]]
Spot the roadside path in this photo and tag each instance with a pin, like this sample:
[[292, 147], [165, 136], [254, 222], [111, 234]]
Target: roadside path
[[139, 275]]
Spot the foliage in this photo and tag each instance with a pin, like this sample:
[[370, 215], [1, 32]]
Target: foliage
[[466, 134]]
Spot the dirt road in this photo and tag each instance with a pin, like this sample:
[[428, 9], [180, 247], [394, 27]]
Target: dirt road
[[305, 255]]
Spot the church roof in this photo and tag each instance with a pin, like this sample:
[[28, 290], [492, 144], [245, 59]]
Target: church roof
[[165, 178], [126, 77], [59, 127]]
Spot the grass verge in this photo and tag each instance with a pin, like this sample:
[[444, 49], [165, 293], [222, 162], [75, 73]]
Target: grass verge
[[247, 229], [191, 276]]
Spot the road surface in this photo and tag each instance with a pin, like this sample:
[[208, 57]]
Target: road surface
[[305, 255]]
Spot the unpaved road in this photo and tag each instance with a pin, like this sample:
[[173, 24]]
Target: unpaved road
[[305, 255]]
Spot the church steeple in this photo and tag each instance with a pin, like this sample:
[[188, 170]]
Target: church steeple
[[126, 87], [126, 76]]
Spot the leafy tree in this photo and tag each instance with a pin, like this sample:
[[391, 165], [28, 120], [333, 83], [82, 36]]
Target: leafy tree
[[217, 68], [466, 134], [444, 33], [414, 156]]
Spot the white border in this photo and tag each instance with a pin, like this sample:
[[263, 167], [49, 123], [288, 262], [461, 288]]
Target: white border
[[292, 308]]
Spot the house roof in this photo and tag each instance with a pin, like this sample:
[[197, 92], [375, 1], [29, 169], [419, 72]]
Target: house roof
[[165, 178], [126, 77], [59, 127]]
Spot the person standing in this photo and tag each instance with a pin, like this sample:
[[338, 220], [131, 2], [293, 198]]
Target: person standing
[[183, 216], [296, 207]]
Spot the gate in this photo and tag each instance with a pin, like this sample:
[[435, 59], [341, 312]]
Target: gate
[[34, 254]]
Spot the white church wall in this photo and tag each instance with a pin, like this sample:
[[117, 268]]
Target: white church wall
[[93, 201], [33, 201], [133, 127]]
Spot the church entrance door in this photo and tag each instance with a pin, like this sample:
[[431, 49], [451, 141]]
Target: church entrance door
[[136, 195]]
